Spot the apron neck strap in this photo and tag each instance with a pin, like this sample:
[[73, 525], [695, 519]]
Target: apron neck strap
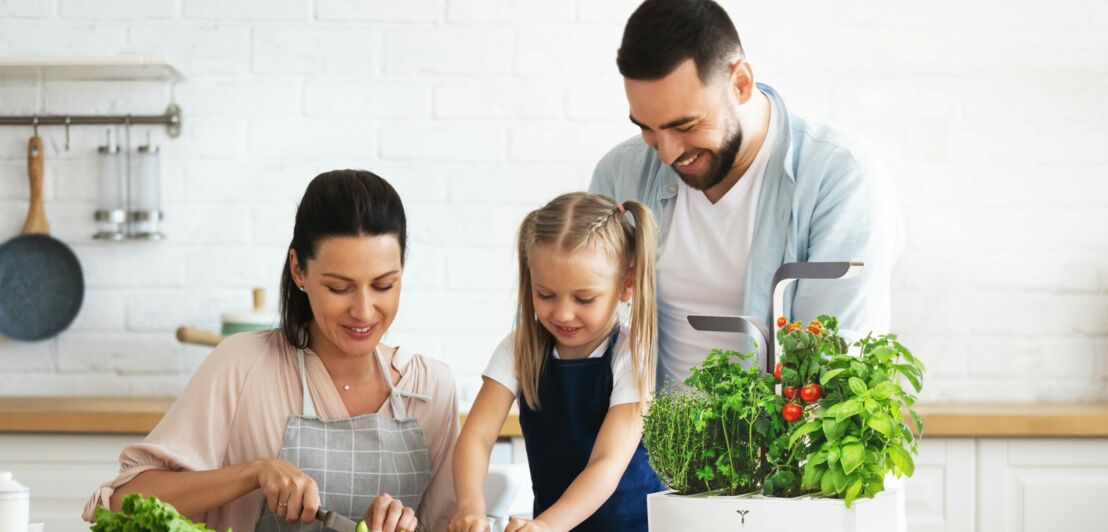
[[396, 397], [613, 337], [308, 408]]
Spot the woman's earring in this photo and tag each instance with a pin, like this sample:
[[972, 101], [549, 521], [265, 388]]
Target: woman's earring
[[301, 288]]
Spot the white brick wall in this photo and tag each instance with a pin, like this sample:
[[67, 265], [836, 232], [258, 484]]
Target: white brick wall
[[993, 117]]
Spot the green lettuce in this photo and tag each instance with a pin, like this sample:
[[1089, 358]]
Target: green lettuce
[[144, 515]]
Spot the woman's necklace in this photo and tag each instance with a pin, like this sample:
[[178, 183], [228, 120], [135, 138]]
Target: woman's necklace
[[346, 387]]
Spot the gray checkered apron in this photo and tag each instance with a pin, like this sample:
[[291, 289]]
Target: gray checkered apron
[[354, 460]]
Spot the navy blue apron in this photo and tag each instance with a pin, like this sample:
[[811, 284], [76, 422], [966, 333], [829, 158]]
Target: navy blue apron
[[574, 397]]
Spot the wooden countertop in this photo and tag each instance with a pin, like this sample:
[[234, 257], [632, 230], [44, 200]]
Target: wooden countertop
[[947, 420]]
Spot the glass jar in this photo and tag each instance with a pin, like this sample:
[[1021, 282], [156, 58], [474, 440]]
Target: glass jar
[[111, 201]]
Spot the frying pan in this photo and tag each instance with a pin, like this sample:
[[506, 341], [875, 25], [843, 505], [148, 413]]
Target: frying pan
[[41, 285]]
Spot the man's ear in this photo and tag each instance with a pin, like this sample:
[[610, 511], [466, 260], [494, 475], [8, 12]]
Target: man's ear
[[628, 287], [742, 80]]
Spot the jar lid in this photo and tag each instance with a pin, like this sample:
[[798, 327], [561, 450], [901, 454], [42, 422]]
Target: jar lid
[[9, 486]]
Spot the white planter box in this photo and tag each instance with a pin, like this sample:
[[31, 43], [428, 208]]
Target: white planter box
[[668, 512]]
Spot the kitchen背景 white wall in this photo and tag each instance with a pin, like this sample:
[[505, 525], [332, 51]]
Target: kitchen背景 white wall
[[992, 116]]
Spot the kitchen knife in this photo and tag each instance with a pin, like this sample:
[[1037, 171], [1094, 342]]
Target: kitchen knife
[[334, 521]]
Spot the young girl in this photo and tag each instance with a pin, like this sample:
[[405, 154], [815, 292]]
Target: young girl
[[582, 377]]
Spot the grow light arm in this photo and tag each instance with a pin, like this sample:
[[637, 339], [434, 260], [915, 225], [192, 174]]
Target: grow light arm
[[788, 273], [740, 324]]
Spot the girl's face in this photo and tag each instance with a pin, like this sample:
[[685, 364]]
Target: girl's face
[[353, 287], [576, 296]]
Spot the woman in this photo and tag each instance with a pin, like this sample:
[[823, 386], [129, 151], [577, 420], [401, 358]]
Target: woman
[[275, 424]]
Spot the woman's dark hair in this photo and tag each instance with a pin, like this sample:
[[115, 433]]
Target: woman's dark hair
[[336, 203], [662, 34]]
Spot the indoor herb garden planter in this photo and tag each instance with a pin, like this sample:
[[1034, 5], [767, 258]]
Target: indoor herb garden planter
[[825, 451]]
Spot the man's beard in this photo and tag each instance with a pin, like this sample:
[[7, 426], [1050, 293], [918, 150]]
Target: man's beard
[[721, 163]]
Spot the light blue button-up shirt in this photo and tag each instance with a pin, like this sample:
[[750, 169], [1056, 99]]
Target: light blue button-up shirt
[[825, 197]]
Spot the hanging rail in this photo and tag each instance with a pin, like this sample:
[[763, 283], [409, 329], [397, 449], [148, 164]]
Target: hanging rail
[[171, 119]]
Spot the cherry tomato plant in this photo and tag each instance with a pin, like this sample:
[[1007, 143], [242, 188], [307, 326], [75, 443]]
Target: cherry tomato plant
[[855, 426], [838, 426]]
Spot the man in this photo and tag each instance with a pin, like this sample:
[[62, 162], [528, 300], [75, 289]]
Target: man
[[740, 186]]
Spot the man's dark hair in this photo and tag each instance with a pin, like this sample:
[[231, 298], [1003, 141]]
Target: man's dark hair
[[662, 34]]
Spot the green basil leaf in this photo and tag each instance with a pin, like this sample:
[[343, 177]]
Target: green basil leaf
[[902, 460], [826, 378], [852, 456], [917, 421], [882, 424], [859, 369], [857, 386], [848, 409], [829, 428], [884, 390], [812, 476], [807, 428], [852, 492], [827, 481], [840, 479]]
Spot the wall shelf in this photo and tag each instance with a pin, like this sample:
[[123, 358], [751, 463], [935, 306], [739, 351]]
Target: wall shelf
[[116, 68]]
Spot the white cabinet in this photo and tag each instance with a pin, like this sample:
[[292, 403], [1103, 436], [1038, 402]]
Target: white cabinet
[[1041, 484], [940, 495], [1008, 485], [62, 471]]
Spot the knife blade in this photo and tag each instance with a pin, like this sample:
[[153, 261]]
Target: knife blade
[[335, 521]]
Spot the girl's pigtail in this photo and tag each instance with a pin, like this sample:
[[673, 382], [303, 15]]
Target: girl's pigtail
[[644, 311]]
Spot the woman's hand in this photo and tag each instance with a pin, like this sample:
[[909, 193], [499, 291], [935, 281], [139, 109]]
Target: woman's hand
[[290, 493], [387, 514], [523, 525], [469, 520]]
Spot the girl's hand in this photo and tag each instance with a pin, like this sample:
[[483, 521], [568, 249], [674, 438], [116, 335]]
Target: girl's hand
[[289, 492], [387, 514], [469, 521], [523, 525]]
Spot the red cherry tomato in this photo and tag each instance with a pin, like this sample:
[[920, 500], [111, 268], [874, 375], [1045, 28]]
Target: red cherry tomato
[[790, 392], [791, 412], [777, 371], [811, 393], [781, 321]]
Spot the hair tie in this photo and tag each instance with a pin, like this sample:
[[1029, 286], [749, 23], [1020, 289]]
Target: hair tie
[[621, 209]]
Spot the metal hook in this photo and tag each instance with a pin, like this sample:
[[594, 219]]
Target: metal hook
[[34, 123], [67, 121]]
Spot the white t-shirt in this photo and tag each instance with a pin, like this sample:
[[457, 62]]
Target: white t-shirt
[[702, 267], [502, 367]]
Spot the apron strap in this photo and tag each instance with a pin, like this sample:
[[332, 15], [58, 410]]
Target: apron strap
[[308, 409], [396, 397]]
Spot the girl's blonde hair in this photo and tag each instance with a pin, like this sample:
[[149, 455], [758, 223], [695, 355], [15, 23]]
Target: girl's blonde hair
[[589, 221]]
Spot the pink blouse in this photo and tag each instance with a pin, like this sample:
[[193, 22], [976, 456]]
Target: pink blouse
[[235, 408]]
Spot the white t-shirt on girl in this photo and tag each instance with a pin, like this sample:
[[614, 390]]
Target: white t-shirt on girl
[[502, 367]]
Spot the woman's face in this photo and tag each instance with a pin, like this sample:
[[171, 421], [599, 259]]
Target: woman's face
[[353, 287]]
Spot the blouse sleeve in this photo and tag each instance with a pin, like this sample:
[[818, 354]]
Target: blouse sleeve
[[193, 434], [439, 502]]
